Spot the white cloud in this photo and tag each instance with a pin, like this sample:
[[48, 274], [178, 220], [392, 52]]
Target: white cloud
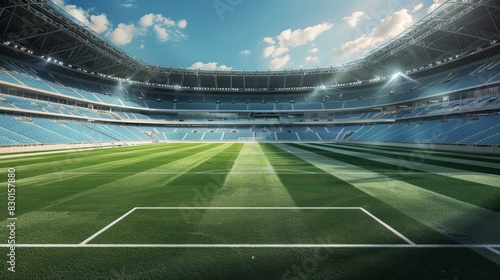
[[311, 59], [163, 26], [314, 50], [161, 33], [435, 5], [210, 66], [168, 22], [147, 20], [417, 7], [355, 18], [98, 23], [279, 46], [123, 34], [274, 51], [388, 28], [268, 51], [269, 40], [245, 52], [298, 37], [59, 3], [279, 51], [141, 47], [182, 23], [279, 62]]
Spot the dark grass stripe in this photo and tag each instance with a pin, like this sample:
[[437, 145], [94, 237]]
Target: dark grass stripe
[[485, 157], [327, 190], [413, 159], [188, 190], [33, 197], [68, 162], [34, 159], [477, 194], [230, 264], [103, 203]]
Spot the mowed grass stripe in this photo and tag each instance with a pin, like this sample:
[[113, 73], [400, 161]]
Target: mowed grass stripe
[[429, 149], [470, 165], [55, 171], [41, 191], [71, 161], [482, 195], [324, 189], [243, 189], [186, 190], [463, 222], [84, 213], [252, 181], [425, 164], [27, 160]]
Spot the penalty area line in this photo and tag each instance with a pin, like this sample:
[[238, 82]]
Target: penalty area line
[[496, 251], [107, 227], [248, 208], [388, 227]]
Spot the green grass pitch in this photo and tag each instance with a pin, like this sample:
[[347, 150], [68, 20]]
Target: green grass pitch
[[253, 211]]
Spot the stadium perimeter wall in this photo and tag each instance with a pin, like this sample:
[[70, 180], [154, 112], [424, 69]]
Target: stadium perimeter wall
[[47, 147], [431, 146]]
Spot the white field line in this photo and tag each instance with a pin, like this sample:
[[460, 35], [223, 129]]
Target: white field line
[[107, 227], [496, 251], [490, 247], [388, 227], [249, 173], [248, 208]]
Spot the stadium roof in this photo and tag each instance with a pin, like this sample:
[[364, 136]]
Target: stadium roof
[[38, 31]]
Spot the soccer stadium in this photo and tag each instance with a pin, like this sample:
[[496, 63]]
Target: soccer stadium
[[386, 166]]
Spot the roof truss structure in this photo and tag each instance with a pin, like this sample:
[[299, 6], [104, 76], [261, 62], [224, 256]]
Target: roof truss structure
[[456, 29]]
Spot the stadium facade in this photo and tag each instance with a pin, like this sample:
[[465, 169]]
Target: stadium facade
[[437, 83]]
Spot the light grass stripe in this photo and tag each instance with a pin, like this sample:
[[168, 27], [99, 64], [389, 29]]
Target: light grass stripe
[[108, 162], [255, 190], [125, 185], [430, 149], [470, 176], [156, 178], [458, 220], [209, 172], [252, 181], [424, 155]]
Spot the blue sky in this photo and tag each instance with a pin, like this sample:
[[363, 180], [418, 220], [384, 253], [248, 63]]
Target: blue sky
[[248, 34]]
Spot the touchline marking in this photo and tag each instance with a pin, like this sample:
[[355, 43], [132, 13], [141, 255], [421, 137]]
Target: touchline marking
[[106, 227], [361, 246]]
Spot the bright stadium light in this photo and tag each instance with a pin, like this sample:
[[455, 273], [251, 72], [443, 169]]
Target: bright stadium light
[[396, 75]]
